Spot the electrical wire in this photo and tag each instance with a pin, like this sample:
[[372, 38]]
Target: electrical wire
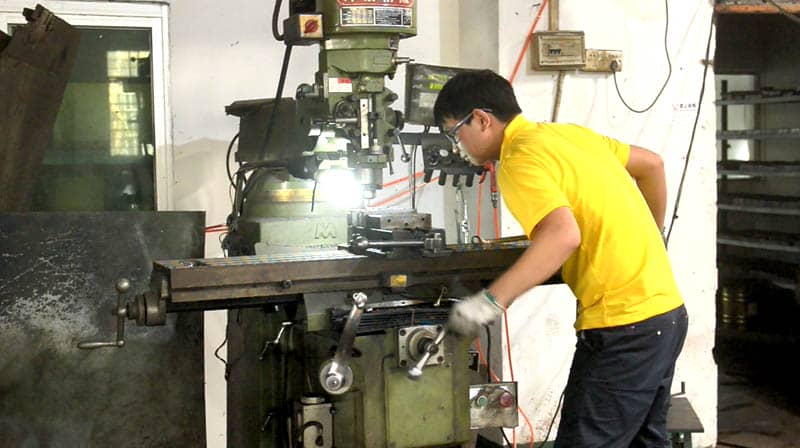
[[558, 407], [488, 370], [414, 178], [228, 159], [488, 352], [694, 131], [669, 72], [425, 131], [784, 12], [275, 12], [216, 353], [527, 43], [314, 195], [400, 195], [257, 167], [287, 55], [498, 380]]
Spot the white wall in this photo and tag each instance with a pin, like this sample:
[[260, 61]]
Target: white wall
[[542, 355]]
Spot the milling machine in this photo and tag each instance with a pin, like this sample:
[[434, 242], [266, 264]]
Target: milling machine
[[330, 347]]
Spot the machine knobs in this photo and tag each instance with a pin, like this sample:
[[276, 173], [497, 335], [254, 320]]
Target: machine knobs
[[360, 300], [123, 285], [431, 347]]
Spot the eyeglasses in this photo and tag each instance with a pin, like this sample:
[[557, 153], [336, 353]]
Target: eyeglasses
[[452, 134]]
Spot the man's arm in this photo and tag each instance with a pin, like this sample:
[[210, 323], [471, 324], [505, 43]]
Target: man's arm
[[647, 168], [556, 236]]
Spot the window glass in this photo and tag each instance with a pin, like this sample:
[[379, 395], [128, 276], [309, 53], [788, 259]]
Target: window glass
[[101, 154]]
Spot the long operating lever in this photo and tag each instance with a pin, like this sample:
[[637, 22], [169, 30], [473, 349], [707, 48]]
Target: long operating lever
[[415, 372], [336, 376]]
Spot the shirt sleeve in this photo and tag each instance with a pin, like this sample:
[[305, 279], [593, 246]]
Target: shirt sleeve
[[622, 151], [529, 191]]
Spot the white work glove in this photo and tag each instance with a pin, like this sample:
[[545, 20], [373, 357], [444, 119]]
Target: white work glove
[[471, 313]]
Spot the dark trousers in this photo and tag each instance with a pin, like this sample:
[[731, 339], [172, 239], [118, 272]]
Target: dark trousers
[[618, 391]]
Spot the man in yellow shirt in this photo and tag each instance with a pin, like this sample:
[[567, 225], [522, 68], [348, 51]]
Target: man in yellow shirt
[[592, 207]]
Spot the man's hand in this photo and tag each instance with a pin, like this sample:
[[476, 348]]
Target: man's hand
[[471, 313]]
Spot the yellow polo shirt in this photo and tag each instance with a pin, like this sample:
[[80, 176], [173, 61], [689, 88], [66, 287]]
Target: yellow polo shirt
[[621, 273]]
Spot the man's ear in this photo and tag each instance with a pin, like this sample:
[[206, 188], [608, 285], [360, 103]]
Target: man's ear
[[484, 118]]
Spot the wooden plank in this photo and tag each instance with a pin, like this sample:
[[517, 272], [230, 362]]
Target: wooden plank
[[758, 7], [35, 64]]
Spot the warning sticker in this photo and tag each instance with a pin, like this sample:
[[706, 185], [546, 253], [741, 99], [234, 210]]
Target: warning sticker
[[369, 16], [340, 85]]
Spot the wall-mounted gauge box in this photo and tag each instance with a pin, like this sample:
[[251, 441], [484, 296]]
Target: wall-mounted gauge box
[[558, 50]]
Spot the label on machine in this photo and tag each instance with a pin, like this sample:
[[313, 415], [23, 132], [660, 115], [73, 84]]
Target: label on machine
[[395, 3], [340, 85], [377, 16]]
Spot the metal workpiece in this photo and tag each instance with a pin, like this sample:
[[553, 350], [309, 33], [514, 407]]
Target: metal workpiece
[[336, 376], [432, 244], [394, 233], [390, 219]]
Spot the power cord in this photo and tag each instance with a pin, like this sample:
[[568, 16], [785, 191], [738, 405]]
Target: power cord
[[489, 372], [615, 67], [694, 131], [555, 414], [228, 159], [278, 36]]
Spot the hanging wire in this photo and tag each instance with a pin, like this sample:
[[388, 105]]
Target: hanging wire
[[614, 68], [694, 130]]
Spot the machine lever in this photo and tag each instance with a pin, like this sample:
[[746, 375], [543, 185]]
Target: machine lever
[[415, 372], [268, 343], [336, 375], [121, 311]]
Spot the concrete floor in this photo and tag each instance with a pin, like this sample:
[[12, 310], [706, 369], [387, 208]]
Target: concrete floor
[[755, 416], [759, 397]]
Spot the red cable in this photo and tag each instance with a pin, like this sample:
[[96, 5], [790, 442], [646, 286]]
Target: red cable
[[496, 379], [480, 197], [397, 196], [495, 198], [484, 361], [527, 43], [402, 179], [217, 228], [511, 79]]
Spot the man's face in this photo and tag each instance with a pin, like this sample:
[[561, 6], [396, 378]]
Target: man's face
[[466, 137]]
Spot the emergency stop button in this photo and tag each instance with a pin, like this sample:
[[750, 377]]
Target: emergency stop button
[[506, 400]]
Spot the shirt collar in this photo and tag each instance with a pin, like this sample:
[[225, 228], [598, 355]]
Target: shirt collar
[[512, 129]]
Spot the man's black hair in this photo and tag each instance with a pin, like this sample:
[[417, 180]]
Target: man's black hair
[[478, 89]]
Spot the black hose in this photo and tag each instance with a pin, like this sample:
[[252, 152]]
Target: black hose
[[275, 12], [228, 159]]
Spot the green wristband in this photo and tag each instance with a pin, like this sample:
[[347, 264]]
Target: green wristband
[[491, 298]]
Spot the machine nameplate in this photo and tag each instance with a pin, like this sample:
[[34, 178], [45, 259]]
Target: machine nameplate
[[372, 16], [400, 3]]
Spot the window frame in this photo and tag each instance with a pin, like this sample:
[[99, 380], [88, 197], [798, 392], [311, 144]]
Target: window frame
[[145, 15]]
